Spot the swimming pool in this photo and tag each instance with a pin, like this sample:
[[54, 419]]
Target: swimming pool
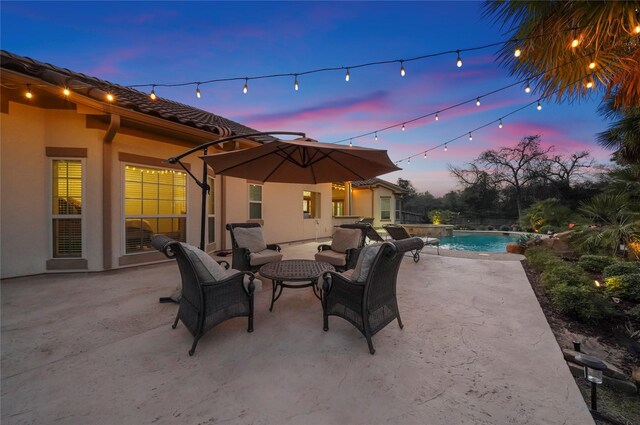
[[487, 242]]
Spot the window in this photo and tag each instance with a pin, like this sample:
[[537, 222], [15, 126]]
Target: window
[[310, 204], [211, 206], [385, 208], [255, 202], [338, 208], [155, 202], [66, 213]]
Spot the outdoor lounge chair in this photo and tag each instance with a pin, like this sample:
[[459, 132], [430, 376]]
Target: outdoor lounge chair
[[347, 242], [398, 233], [366, 296], [250, 252], [210, 294]]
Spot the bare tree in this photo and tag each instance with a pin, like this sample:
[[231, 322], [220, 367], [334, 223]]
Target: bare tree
[[563, 170]]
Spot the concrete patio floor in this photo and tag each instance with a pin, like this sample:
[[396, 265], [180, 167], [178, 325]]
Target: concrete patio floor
[[99, 349]]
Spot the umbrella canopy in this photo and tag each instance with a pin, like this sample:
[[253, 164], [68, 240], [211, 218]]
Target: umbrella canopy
[[302, 161]]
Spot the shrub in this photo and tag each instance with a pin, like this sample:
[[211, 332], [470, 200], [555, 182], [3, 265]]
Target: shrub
[[550, 212], [563, 273], [634, 313], [505, 228], [626, 286], [580, 302], [547, 228], [619, 269], [490, 227], [595, 263], [539, 258], [482, 227]]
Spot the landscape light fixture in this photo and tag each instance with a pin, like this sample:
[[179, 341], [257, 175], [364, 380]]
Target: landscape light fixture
[[593, 367]]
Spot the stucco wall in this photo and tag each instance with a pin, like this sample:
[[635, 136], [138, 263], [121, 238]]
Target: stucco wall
[[26, 186]]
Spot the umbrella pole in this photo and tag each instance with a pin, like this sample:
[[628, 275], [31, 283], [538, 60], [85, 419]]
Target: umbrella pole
[[205, 189]]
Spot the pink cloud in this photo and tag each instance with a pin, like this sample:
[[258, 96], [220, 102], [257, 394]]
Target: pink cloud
[[108, 64]]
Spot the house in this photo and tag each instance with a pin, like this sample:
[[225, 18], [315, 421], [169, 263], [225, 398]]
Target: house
[[85, 181]]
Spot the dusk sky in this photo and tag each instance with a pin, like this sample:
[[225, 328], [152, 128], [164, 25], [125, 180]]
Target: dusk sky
[[177, 42]]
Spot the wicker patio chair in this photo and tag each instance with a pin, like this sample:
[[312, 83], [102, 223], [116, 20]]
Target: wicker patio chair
[[249, 251], [345, 247], [398, 232], [210, 295], [366, 296]]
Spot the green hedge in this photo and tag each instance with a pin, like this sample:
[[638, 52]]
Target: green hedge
[[622, 268], [564, 274], [595, 263], [626, 286], [580, 302], [539, 258]]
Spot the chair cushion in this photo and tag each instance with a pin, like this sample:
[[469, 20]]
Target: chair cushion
[[431, 241], [263, 257], [250, 238], [332, 257], [206, 267], [344, 239], [365, 261]]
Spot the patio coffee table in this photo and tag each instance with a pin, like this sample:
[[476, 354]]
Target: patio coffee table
[[306, 272]]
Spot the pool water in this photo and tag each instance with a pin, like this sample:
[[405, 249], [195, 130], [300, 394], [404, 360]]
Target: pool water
[[489, 242]]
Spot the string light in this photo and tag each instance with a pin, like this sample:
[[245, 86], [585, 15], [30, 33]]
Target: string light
[[66, 91], [637, 29], [376, 137], [592, 65], [28, 93], [459, 61], [198, 94], [445, 147], [437, 116], [403, 127], [500, 125], [409, 160], [478, 102], [425, 154], [402, 72], [517, 53], [470, 137], [539, 106], [527, 89], [110, 97], [347, 75], [153, 93], [295, 83], [575, 41], [245, 89], [350, 143], [590, 84]]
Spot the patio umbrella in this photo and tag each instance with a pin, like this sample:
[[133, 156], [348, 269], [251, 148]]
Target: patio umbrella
[[302, 160]]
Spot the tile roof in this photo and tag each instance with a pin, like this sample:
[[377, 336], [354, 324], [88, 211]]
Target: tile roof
[[375, 182], [126, 97]]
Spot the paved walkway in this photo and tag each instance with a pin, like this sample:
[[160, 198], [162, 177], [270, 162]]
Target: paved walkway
[[99, 349]]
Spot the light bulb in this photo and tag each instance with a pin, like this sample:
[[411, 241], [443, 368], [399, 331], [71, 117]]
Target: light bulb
[[245, 89], [437, 116], [445, 147], [409, 161], [527, 89], [575, 43], [350, 144], [459, 62], [592, 65], [500, 125], [295, 84], [347, 75], [402, 127], [470, 137], [637, 29], [478, 102], [66, 91], [28, 93], [153, 93], [109, 97], [198, 94], [425, 155], [517, 53], [590, 84], [539, 106], [376, 136], [402, 72]]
